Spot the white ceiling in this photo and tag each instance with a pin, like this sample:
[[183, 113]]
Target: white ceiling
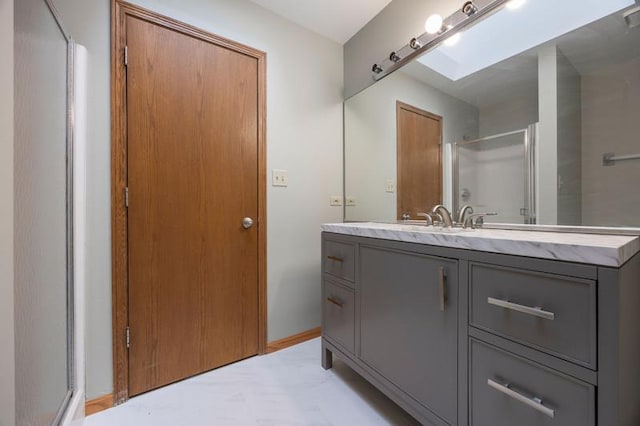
[[337, 20]]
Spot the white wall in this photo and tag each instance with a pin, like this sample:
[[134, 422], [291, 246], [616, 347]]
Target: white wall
[[370, 141], [558, 156], [611, 101], [304, 136], [547, 149], [7, 353]]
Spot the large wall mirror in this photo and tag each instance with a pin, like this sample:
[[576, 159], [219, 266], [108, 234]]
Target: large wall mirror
[[532, 113], [43, 214]]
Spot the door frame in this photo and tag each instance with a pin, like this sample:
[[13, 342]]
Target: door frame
[[119, 233], [400, 106]]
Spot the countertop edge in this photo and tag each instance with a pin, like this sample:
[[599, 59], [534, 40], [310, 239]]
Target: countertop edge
[[592, 254]]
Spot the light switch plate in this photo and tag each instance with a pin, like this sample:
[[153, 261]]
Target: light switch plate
[[350, 201], [390, 186], [280, 178], [336, 200]]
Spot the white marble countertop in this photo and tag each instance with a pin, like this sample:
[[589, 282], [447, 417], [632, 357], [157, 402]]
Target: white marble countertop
[[603, 250]]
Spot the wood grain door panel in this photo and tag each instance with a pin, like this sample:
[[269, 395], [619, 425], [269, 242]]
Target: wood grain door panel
[[419, 137], [192, 177]]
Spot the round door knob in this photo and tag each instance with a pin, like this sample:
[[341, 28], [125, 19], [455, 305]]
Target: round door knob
[[247, 223]]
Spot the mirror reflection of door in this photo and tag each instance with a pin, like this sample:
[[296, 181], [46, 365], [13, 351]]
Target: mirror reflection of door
[[419, 141]]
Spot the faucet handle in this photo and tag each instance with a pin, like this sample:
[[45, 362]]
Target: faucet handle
[[476, 220]]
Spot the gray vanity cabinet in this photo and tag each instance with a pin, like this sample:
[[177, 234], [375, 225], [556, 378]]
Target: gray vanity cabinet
[[408, 324], [468, 338]]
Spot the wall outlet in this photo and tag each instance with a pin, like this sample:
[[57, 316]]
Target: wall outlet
[[280, 178], [336, 200], [390, 186], [350, 201]]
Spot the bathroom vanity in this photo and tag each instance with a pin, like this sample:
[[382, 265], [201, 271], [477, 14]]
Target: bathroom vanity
[[487, 327]]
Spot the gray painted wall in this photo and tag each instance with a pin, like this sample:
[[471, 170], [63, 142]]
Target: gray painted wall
[[391, 29], [611, 101], [514, 114], [569, 143], [304, 136], [7, 354]]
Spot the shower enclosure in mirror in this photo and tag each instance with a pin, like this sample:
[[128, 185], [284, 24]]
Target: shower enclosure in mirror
[[497, 174], [572, 67], [43, 214]]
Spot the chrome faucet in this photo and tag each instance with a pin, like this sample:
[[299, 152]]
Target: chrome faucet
[[476, 220], [462, 212], [444, 214]]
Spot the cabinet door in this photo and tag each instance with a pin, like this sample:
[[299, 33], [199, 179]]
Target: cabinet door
[[409, 324]]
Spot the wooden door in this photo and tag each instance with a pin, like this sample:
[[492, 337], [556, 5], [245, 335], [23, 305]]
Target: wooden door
[[419, 137], [193, 175]]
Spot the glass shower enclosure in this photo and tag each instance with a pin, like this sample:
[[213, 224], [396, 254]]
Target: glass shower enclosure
[[497, 174]]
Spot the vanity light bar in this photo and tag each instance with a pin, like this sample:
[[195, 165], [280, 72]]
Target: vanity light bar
[[470, 12]]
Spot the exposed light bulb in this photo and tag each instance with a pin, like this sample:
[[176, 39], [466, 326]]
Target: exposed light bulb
[[454, 39], [433, 24], [515, 4]]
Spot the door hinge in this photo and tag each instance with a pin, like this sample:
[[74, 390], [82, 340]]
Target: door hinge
[[126, 197], [126, 56], [128, 336]]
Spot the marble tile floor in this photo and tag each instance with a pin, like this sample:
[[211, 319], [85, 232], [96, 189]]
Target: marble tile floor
[[288, 387]]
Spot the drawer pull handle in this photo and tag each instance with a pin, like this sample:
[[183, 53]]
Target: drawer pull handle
[[336, 302], [538, 312], [535, 403], [335, 259], [442, 277]]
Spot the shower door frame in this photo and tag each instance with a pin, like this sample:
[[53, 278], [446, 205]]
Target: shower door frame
[[529, 164], [72, 385]]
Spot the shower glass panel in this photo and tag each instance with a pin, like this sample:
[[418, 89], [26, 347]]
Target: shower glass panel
[[43, 222], [496, 174]]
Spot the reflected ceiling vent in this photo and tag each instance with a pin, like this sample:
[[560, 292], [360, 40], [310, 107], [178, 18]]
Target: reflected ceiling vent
[[632, 17]]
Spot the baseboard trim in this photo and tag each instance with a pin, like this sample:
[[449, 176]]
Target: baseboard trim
[[99, 404], [293, 340]]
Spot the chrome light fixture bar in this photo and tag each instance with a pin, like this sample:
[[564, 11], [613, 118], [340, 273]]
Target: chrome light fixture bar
[[469, 13]]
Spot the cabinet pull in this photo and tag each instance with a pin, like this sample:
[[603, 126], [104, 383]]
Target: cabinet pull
[[442, 276], [335, 259], [335, 302], [538, 312], [535, 403]]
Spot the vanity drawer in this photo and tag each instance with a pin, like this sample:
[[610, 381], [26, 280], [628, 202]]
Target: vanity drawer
[[339, 259], [552, 313], [507, 390], [338, 323]]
